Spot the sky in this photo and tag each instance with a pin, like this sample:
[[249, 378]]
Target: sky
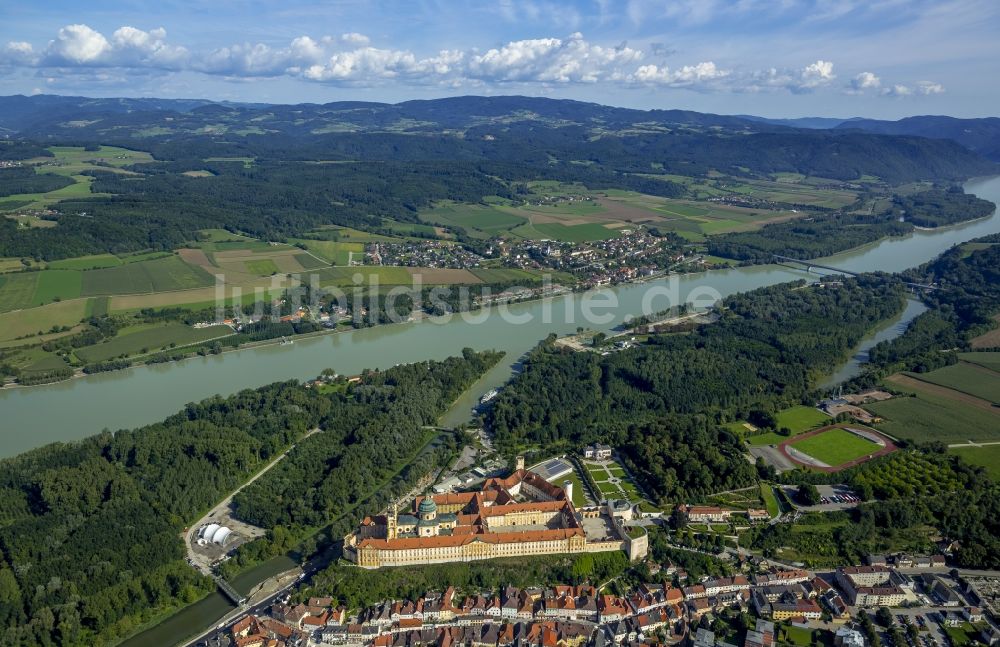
[[774, 58]]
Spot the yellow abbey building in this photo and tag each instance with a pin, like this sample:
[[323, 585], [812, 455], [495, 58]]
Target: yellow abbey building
[[522, 514]]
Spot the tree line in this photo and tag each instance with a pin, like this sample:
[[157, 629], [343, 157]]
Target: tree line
[[90, 542], [826, 234]]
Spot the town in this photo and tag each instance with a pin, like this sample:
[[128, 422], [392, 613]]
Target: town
[[671, 610], [900, 599]]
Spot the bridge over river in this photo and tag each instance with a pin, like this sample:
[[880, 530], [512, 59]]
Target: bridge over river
[[809, 265]]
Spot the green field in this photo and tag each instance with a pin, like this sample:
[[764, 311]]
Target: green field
[[17, 291], [987, 456], [56, 285], [70, 160], [158, 275], [262, 267], [930, 417], [42, 319], [803, 637], [98, 306], [990, 360], [348, 235], [770, 500], [150, 340], [799, 419], [333, 252], [968, 378], [836, 447], [568, 233], [309, 262], [802, 418], [503, 275], [344, 276], [96, 261], [480, 221]]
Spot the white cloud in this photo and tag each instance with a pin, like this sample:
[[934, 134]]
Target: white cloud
[[552, 60], [78, 44], [687, 76], [929, 87], [17, 53], [799, 81], [864, 81], [350, 59], [146, 48], [354, 38], [897, 90], [815, 75]]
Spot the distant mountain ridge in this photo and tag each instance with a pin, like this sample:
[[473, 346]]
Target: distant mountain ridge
[[812, 123], [51, 114], [981, 135], [510, 129]]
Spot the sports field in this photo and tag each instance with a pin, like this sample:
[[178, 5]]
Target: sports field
[[835, 447], [799, 419]]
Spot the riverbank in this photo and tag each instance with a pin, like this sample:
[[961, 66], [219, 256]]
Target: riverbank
[[126, 399]]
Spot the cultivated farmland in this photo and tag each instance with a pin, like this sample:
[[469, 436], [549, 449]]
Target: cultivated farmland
[[159, 275], [966, 378], [936, 413]]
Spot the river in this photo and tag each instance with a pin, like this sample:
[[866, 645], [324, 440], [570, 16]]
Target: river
[[74, 409]]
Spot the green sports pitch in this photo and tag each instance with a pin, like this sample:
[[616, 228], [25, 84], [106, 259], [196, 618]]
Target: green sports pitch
[[836, 446]]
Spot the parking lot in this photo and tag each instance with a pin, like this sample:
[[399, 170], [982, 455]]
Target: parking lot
[[832, 497]]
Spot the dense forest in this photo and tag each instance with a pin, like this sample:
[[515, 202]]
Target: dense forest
[[937, 208], [162, 211], [826, 234], [765, 351], [813, 237], [369, 434], [23, 179], [89, 531], [962, 307]]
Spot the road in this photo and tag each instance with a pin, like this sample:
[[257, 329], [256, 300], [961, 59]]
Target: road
[[201, 561]]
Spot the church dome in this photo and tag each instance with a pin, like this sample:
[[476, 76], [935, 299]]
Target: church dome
[[427, 507]]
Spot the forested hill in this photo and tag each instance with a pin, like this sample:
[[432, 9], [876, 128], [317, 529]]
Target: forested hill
[[662, 403], [90, 544], [826, 234], [511, 128], [979, 135]]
